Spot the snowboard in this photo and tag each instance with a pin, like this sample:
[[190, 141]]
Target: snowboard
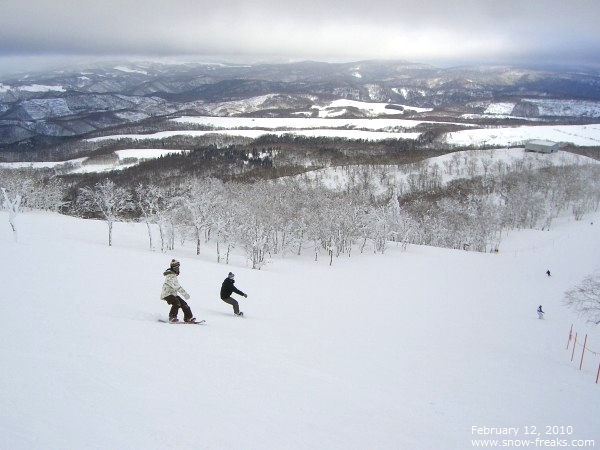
[[198, 322]]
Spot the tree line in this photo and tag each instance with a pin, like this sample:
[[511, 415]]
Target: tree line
[[370, 208]]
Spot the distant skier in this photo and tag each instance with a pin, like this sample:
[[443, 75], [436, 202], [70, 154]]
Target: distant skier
[[227, 288], [169, 292], [548, 272], [540, 312]]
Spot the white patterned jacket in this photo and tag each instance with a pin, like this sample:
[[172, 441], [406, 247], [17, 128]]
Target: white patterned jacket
[[171, 286]]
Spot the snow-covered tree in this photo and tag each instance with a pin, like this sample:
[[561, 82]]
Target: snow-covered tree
[[584, 298], [384, 223], [148, 200], [12, 203], [253, 225], [197, 208], [16, 187], [52, 194], [107, 200]]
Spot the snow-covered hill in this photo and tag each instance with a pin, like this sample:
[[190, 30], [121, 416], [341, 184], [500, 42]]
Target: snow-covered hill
[[451, 166], [516, 137], [546, 108], [581, 135], [416, 349], [41, 109]]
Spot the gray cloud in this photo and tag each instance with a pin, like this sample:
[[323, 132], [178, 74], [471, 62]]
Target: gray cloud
[[541, 31]]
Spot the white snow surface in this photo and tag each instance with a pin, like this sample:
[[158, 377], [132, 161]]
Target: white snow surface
[[125, 158], [256, 133], [502, 108], [338, 107], [377, 129], [304, 123], [406, 350], [39, 88], [546, 107], [582, 135]]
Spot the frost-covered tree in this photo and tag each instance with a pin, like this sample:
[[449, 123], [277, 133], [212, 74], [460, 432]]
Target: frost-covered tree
[[148, 200], [52, 194], [224, 230], [12, 203], [278, 208], [169, 219], [107, 200], [198, 208], [16, 187], [383, 223], [223, 218], [253, 235], [253, 225], [584, 298]]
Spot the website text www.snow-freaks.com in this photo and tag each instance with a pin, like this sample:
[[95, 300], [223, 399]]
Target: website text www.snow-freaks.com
[[537, 442], [529, 436]]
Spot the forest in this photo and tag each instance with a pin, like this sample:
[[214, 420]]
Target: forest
[[239, 201]]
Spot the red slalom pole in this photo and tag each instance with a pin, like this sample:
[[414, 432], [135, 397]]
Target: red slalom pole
[[583, 352], [598, 374], [574, 345], [570, 336]]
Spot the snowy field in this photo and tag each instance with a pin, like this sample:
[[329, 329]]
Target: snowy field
[[377, 129], [368, 129], [255, 133], [407, 350], [125, 159], [581, 135]]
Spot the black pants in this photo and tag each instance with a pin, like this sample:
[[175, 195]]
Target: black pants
[[177, 302], [234, 303]]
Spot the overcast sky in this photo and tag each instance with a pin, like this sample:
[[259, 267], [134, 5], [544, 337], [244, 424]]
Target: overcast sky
[[430, 31]]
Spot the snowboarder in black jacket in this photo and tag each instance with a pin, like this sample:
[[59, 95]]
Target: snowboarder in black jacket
[[540, 312], [227, 288]]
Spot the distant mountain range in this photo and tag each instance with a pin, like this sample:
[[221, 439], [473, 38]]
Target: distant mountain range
[[39, 110]]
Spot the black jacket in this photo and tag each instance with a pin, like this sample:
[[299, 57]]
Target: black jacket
[[227, 288]]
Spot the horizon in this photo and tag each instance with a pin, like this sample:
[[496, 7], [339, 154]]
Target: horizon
[[31, 64]]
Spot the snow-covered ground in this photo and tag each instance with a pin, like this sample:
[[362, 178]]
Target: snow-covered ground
[[255, 133], [32, 88], [377, 129], [370, 129], [450, 167], [340, 106], [545, 107], [301, 123], [407, 350], [581, 135], [125, 159]]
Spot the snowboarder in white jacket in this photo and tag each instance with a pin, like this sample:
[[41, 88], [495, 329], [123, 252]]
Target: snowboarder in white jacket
[[170, 289], [540, 312]]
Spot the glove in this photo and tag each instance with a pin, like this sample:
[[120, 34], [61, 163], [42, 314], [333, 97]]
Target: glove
[[246, 295], [187, 296]]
